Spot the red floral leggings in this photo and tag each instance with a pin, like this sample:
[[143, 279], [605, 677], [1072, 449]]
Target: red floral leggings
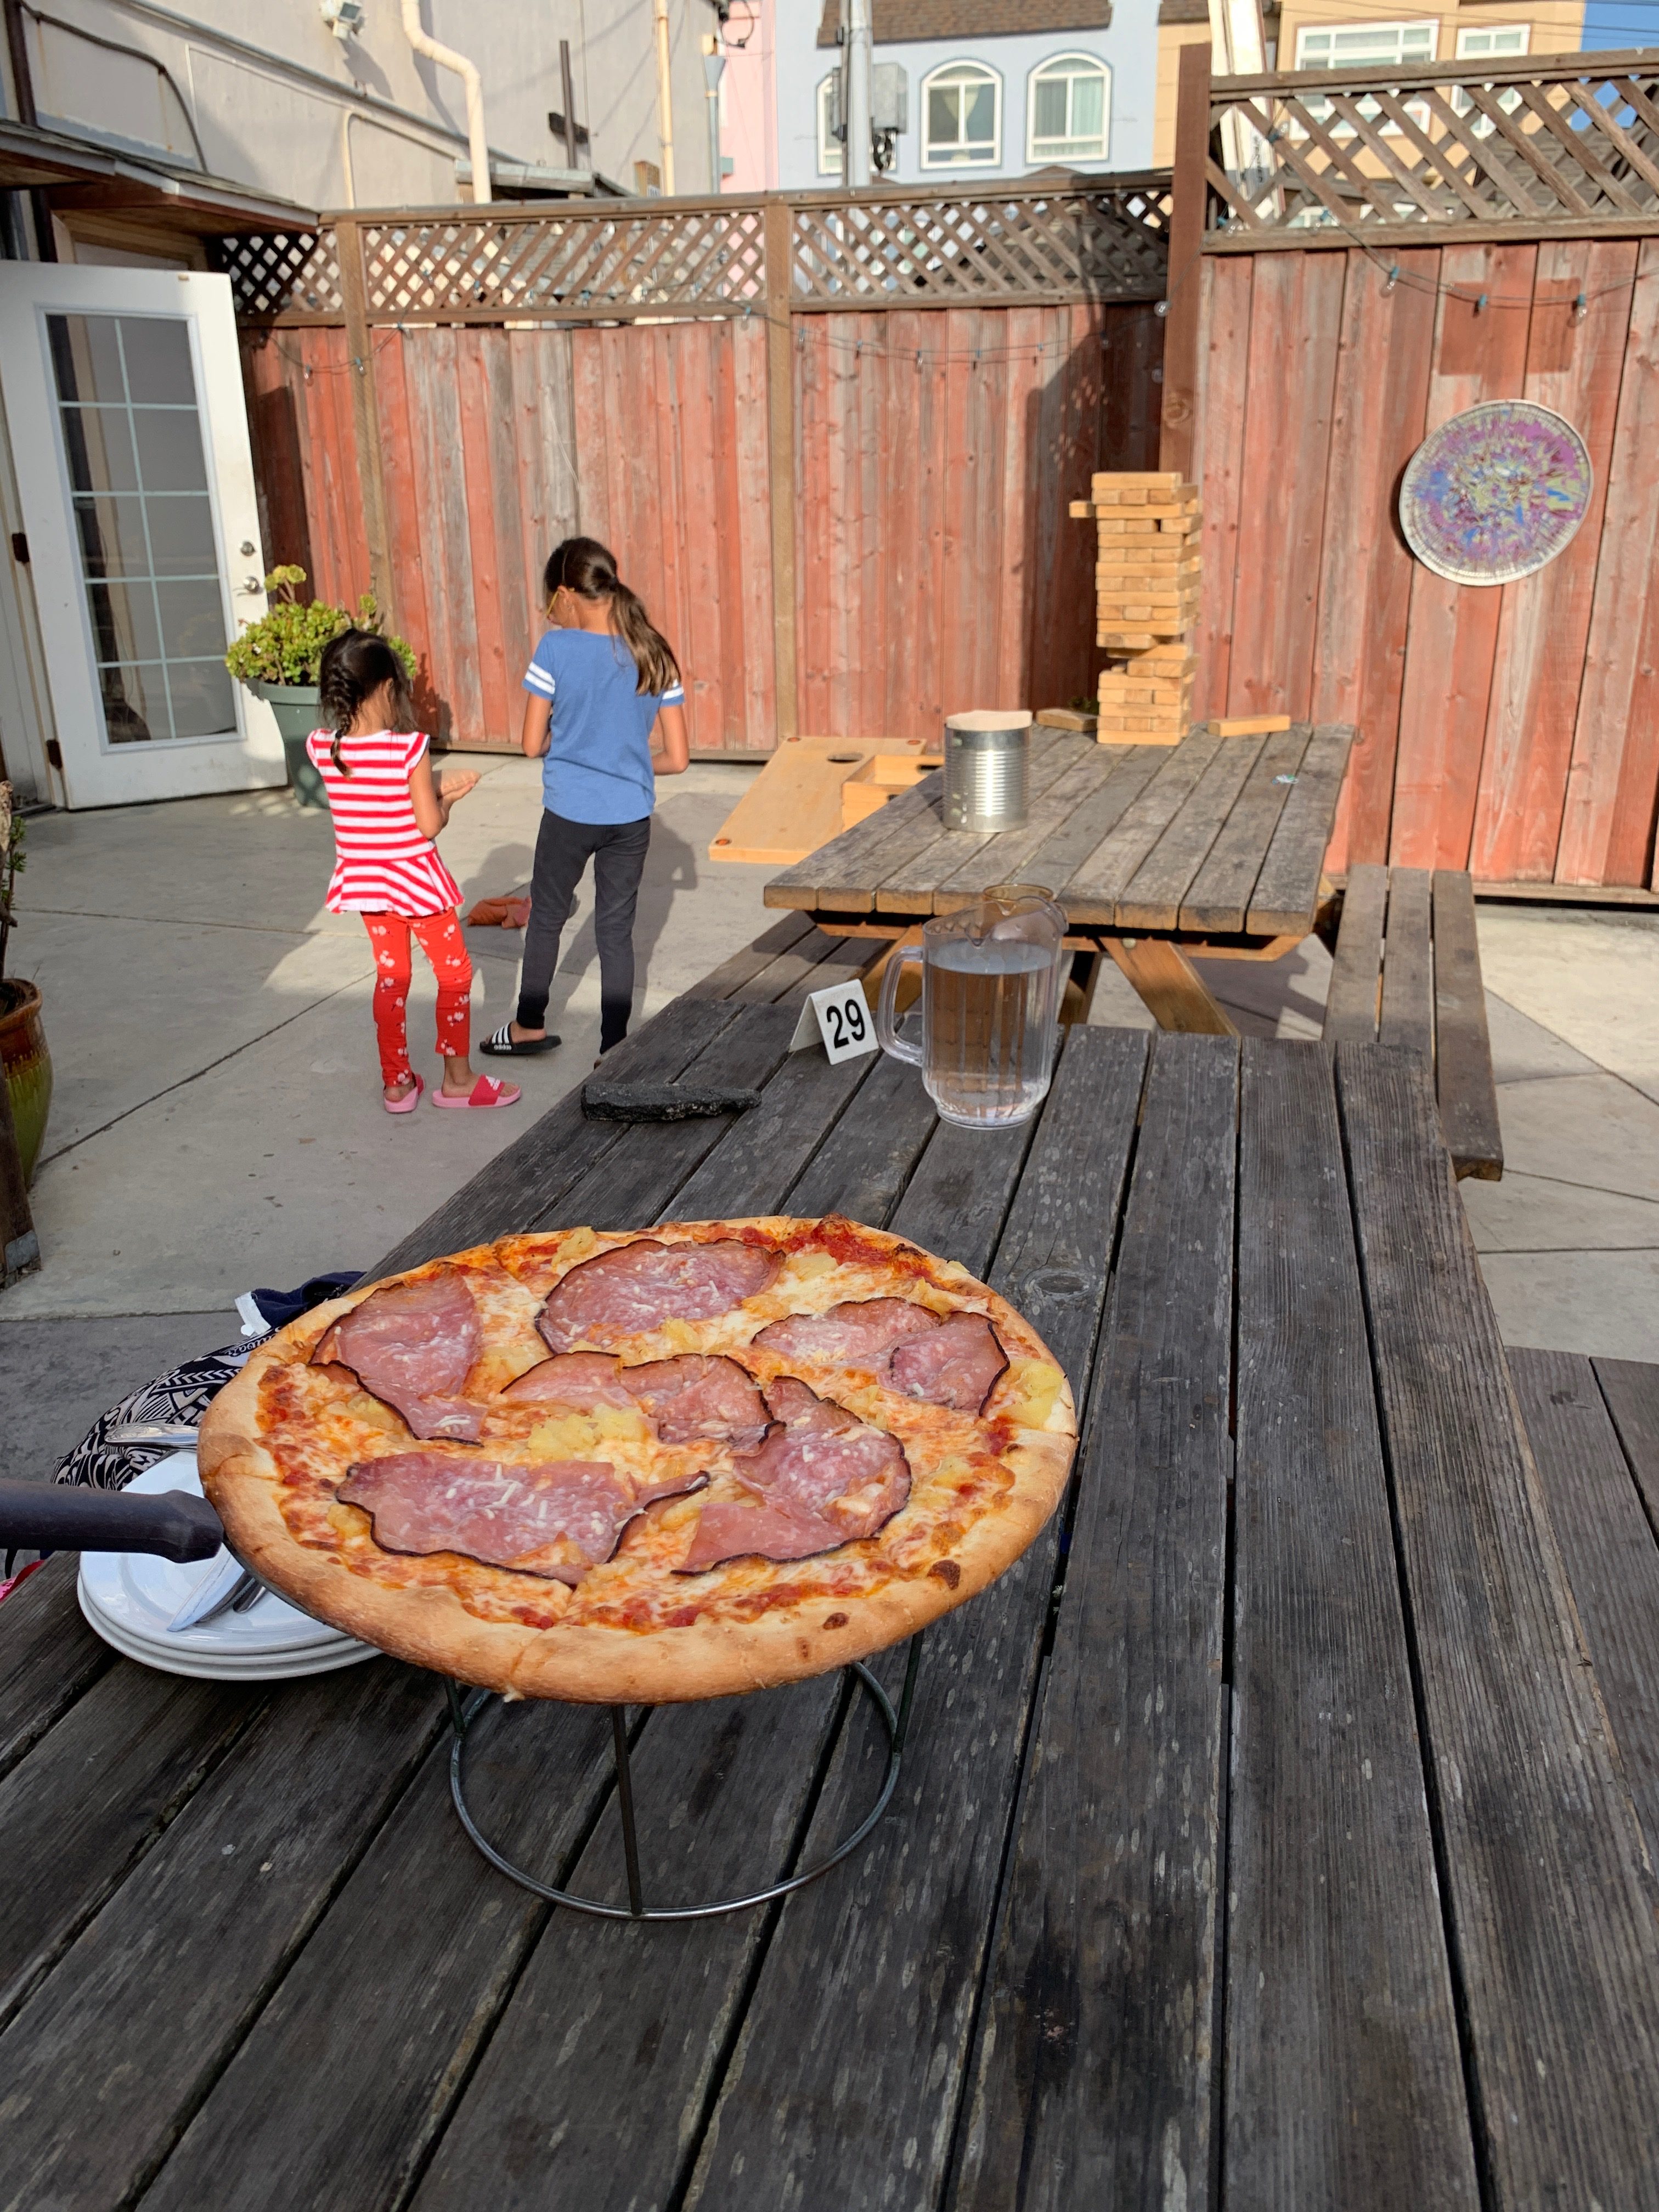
[[441, 941]]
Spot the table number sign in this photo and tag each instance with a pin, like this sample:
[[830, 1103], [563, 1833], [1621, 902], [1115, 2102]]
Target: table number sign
[[841, 1016]]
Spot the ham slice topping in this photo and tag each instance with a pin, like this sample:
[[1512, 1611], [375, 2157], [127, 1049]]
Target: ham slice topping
[[699, 1395], [862, 1333], [696, 1396], [583, 1381], [412, 1345], [953, 1365], [556, 1520], [638, 1286], [952, 1362], [821, 1479]]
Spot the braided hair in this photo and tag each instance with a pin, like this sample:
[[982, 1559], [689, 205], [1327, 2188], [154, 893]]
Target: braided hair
[[354, 666], [582, 565]]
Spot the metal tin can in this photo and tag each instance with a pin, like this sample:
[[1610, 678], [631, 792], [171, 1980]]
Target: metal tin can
[[985, 760]]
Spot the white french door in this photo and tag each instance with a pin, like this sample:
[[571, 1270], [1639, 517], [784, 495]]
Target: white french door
[[129, 434]]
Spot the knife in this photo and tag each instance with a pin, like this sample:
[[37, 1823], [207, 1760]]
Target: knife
[[171, 1433]]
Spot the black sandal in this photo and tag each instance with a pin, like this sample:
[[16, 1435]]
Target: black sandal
[[503, 1045]]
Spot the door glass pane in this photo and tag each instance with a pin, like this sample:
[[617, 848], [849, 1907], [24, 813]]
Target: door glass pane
[[133, 698], [132, 440], [200, 692], [169, 443], [182, 539], [192, 625], [124, 624], [157, 353], [99, 444]]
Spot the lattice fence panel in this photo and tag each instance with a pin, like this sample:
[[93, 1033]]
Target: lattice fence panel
[[288, 275], [1565, 140], [479, 267], [1109, 243]]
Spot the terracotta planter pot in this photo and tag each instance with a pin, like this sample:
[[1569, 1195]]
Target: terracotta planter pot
[[29, 1068]]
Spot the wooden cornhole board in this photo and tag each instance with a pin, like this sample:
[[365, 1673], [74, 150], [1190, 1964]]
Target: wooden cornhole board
[[810, 790]]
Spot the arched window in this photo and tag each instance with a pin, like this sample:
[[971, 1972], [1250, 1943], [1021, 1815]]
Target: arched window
[[962, 118], [832, 158], [1068, 112]]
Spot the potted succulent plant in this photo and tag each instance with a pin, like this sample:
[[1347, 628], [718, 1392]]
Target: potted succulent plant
[[278, 658], [22, 1040]]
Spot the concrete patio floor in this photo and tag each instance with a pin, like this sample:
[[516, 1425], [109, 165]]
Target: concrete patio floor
[[216, 1124]]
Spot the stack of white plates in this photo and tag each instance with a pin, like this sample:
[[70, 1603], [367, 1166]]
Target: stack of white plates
[[130, 1597]]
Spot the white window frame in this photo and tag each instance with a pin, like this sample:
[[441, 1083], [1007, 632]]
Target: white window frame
[[1482, 126], [1321, 110], [1091, 65], [1466, 31], [984, 73], [832, 155], [1403, 23]]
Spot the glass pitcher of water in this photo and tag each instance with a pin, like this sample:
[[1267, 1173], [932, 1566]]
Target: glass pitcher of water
[[990, 980]]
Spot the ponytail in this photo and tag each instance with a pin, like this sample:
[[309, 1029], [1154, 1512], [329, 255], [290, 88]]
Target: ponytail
[[354, 666], [582, 565]]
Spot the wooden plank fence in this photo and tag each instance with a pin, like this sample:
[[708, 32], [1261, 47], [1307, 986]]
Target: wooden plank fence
[[956, 365], [832, 437], [1346, 310]]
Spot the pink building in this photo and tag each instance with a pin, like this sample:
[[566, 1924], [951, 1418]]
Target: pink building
[[749, 103]]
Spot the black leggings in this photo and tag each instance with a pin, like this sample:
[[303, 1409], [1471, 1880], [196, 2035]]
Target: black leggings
[[617, 850]]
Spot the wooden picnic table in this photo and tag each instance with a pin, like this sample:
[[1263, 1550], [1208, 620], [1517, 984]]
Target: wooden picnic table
[[1264, 1837], [1213, 847]]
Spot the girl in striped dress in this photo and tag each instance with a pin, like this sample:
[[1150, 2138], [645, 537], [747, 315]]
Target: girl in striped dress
[[387, 807]]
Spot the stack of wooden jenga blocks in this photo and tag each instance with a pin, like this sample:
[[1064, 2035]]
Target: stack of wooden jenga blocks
[[1146, 575]]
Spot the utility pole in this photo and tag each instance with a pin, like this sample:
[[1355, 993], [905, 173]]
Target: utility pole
[[665, 100], [713, 69], [856, 29]]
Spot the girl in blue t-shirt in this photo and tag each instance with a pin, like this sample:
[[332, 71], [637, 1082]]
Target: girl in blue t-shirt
[[602, 683]]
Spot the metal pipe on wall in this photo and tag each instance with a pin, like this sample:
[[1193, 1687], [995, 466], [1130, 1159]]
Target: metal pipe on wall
[[665, 98], [446, 58]]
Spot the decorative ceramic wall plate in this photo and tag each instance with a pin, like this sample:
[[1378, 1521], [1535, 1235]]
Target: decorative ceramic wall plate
[[1496, 493]]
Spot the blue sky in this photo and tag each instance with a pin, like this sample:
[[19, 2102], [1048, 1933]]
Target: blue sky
[[1622, 23]]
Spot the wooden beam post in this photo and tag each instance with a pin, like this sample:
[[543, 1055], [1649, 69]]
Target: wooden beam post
[[1169, 985], [365, 409], [781, 451], [1187, 192]]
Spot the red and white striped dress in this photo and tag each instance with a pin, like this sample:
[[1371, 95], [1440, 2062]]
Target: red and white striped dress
[[384, 864]]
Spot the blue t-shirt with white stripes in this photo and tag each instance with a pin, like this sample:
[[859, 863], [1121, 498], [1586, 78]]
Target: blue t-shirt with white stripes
[[598, 765]]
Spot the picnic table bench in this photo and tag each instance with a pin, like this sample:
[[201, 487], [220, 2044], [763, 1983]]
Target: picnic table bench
[[1211, 848], [1405, 968], [1264, 1837]]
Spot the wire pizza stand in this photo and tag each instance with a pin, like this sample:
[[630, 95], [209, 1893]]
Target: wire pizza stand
[[466, 1710], [1496, 493]]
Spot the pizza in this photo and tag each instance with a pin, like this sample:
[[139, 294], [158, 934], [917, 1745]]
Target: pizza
[[639, 1466]]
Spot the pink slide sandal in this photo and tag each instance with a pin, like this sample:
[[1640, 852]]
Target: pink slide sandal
[[486, 1092], [408, 1102]]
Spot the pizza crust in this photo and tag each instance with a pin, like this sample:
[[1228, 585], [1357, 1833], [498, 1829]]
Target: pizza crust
[[429, 1624]]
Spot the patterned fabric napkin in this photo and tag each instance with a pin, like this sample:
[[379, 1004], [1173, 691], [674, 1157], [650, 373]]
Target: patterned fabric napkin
[[179, 1399]]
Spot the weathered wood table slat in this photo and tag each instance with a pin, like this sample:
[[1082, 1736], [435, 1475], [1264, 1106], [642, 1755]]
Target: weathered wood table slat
[[1265, 1837], [1216, 844]]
